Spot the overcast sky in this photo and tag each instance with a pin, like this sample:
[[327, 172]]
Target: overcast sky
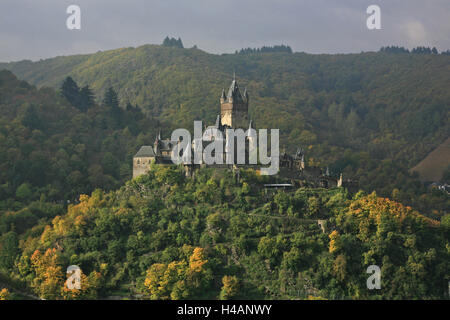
[[35, 29]]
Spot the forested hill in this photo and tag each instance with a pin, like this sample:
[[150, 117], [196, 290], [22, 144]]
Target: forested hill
[[52, 151], [292, 90], [165, 236], [372, 116]]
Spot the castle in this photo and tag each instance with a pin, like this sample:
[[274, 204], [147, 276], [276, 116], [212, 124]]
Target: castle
[[234, 115]]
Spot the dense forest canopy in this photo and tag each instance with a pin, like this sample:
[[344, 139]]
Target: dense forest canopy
[[165, 236], [54, 146]]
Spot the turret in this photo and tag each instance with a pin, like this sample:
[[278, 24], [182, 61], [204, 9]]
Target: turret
[[223, 97], [157, 142], [251, 136], [234, 107], [339, 182]]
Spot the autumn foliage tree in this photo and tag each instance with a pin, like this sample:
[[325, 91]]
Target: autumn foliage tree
[[379, 231], [5, 295], [230, 287], [49, 277], [179, 279]]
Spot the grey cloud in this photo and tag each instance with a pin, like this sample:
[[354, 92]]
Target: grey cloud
[[34, 29]]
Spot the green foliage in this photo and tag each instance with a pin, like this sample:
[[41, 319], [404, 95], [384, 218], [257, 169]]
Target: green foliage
[[158, 237], [372, 116], [70, 91], [9, 250], [52, 151], [230, 287], [24, 192], [172, 42], [111, 99], [80, 98], [265, 49], [417, 50]]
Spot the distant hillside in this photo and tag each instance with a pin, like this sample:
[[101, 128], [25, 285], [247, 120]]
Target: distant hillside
[[372, 116], [434, 165], [399, 94]]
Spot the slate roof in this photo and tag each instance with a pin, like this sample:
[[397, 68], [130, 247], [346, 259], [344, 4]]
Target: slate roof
[[145, 151], [167, 144], [234, 92]]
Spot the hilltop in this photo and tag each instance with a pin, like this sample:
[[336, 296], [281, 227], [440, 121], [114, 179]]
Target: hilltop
[[166, 236]]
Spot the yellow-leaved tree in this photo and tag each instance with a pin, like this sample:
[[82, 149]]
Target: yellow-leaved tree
[[230, 287], [4, 294], [49, 277], [179, 279]]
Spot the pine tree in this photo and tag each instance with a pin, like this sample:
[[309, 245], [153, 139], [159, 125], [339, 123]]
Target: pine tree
[[111, 99], [172, 42], [86, 98], [166, 42], [180, 43], [70, 91]]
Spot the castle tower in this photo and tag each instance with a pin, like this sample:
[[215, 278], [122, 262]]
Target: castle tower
[[157, 144], [340, 181], [234, 107]]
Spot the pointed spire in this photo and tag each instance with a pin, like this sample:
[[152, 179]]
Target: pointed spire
[[157, 142], [250, 134], [223, 97], [233, 93], [218, 122], [340, 182]]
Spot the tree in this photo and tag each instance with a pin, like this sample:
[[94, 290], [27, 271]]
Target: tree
[[9, 249], [153, 281], [86, 98], [31, 118], [172, 42], [179, 279], [4, 294], [110, 99], [89, 288], [230, 287], [24, 192], [71, 91], [49, 279]]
